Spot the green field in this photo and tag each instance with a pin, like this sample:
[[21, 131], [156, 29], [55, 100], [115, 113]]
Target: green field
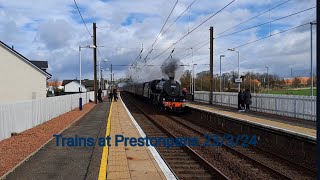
[[301, 92]]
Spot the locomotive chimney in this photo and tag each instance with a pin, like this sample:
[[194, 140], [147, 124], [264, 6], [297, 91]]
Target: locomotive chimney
[[171, 79]]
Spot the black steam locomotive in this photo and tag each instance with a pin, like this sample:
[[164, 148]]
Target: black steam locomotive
[[165, 93]]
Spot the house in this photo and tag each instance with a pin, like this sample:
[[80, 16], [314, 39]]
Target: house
[[23, 79], [54, 88], [73, 86], [256, 82], [54, 84], [303, 80]]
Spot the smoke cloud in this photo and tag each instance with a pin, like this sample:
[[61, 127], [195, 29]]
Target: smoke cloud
[[171, 67]]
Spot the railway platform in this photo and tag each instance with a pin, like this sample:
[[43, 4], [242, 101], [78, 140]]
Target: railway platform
[[130, 162], [286, 124], [71, 161], [289, 138]]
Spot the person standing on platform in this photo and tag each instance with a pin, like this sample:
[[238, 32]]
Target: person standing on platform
[[240, 100], [99, 95], [110, 96], [247, 100], [115, 95], [243, 106], [184, 93]]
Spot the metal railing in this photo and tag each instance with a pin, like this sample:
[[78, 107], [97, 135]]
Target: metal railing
[[302, 107]]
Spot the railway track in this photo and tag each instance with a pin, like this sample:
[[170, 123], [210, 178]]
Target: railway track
[[184, 161], [269, 160], [283, 170], [252, 159]]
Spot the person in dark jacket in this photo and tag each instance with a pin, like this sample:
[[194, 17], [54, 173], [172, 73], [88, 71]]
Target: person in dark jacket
[[110, 96], [247, 99], [115, 94], [184, 93], [243, 98], [240, 100], [99, 95]]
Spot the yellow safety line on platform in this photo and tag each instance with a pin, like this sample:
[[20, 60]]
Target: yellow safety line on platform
[[104, 158]]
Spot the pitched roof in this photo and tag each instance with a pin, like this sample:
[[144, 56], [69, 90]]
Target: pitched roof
[[303, 80], [54, 83], [25, 59], [85, 82], [41, 64]]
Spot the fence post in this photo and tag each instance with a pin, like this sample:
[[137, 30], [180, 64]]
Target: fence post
[[275, 106], [256, 102], [261, 103], [295, 107], [303, 107]]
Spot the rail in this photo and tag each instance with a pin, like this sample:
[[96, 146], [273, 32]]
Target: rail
[[215, 172]]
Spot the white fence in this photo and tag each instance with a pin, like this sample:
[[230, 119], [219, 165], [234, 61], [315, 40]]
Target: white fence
[[303, 107], [17, 117]]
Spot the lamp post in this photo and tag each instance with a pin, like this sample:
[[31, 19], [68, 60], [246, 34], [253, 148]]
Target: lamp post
[[100, 79], [190, 89], [250, 80], [311, 73], [267, 78], [193, 79], [80, 88], [254, 84], [107, 69], [112, 77], [220, 72], [238, 66], [201, 83], [217, 75]]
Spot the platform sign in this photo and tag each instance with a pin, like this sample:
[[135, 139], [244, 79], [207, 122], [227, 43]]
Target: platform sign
[[238, 80]]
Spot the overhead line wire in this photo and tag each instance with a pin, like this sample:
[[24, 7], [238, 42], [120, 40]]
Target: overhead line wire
[[82, 18], [274, 7], [158, 36], [179, 17], [255, 16], [268, 36], [188, 33], [193, 30], [257, 25], [265, 23]]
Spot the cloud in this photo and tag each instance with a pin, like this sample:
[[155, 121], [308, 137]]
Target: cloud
[[53, 31], [55, 34]]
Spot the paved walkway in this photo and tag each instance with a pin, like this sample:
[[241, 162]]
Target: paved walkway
[[57, 162], [277, 122], [129, 162]]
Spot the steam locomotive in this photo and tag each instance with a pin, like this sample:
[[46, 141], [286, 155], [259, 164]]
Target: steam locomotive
[[165, 93]]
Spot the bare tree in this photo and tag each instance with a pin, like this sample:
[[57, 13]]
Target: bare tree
[[296, 82], [185, 79]]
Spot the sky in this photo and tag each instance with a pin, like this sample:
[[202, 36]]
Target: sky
[[53, 31]]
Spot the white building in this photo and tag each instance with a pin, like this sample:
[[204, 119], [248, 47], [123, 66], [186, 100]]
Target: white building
[[20, 78], [73, 86]]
